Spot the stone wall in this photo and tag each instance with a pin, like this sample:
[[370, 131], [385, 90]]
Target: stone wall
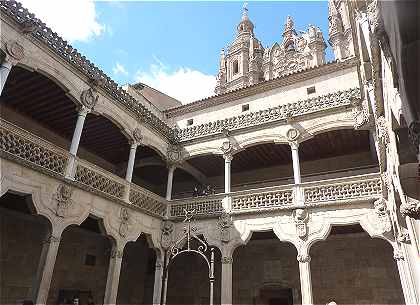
[[21, 239], [354, 269], [71, 271], [263, 264]]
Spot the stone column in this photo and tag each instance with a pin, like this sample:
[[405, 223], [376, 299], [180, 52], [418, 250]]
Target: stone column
[[305, 279], [113, 278], [171, 170], [226, 293], [408, 287], [157, 288], [296, 165], [228, 160], [131, 160], [46, 267], [5, 68], [74, 147]]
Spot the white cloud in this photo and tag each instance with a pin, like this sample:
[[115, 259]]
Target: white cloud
[[71, 19], [119, 69], [184, 84]]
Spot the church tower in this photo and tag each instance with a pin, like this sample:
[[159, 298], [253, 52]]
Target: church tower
[[242, 64]]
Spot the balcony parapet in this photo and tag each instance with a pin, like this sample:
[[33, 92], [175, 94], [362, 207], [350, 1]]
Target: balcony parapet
[[279, 113], [207, 206], [332, 192], [23, 147]]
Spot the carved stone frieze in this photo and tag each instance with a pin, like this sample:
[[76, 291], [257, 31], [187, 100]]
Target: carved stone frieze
[[89, 98], [124, 222], [166, 236], [301, 217], [15, 50], [410, 208], [224, 223], [278, 113], [63, 198]]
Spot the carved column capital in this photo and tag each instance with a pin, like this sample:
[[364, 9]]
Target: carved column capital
[[117, 253], [227, 260], [136, 137], [89, 98], [303, 258], [228, 150], [52, 239], [15, 51], [398, 255]]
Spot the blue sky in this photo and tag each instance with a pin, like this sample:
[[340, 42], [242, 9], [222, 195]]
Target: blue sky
[[173, 45]]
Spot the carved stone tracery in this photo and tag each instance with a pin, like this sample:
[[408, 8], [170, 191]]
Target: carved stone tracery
[[124, 222], [225, 223], [166, 237], [63, 198], [15, 50], [89, 98], [301, 217]]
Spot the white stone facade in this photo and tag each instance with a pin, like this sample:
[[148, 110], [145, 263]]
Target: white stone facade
[[355, 93]]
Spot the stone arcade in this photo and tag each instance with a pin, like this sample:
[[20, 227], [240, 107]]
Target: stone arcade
[[313, 167]]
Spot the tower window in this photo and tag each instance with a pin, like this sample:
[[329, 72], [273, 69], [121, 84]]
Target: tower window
[[310, 90], [245, 107], [235, 67], [190, 122]]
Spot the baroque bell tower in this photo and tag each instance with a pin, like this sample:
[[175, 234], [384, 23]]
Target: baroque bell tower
[[242, 64]]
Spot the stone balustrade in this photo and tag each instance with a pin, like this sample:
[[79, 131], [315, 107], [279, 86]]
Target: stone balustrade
[[21, 146], [327, 192], [262, 199], [24, 147], [202, 206]]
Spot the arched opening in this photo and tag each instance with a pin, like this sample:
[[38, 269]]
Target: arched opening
[[186, 185], [337, 153], [39, 105], [188, 279], [22, 235], [350, 267], [235, 67], [266, 272], [212, 168], [137, 273], [152, 177], [81, 267]]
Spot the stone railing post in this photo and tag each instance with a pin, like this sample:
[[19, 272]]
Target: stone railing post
[[305, 279], [114, 270], [226, 293], [46, 267]]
